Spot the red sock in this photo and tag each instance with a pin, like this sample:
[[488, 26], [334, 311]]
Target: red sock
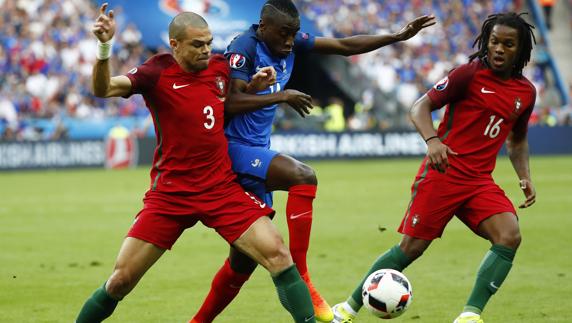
[[224, 288], [299, 219]]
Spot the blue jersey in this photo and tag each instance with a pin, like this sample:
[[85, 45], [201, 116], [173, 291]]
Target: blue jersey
[[246, 55]]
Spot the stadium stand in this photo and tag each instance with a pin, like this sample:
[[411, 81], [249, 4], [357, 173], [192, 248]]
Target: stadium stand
[[46, 58]]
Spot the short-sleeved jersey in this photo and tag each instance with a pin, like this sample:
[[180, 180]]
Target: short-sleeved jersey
[[188, 113], [482, 109], [246, 55]]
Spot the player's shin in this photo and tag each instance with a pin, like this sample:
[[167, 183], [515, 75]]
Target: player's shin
[[224, 288], [394, 258], [299, 218], [491, 274], [294, 295], [97, 308]]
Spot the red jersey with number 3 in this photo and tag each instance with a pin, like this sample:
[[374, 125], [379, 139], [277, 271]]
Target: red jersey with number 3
[[481, 111], [188, 113]]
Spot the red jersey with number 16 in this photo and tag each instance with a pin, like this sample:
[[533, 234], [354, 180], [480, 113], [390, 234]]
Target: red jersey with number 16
[[481, 111], [188, 113]]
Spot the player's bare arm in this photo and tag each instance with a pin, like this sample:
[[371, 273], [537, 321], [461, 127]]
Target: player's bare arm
[[437, 152], [517, 148], [103, 84], [240, 100], [365, 43]]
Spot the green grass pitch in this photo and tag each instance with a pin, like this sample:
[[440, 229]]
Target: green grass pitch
[[60, 232]]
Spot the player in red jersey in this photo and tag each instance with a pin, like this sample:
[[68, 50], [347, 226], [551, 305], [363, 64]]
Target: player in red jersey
[[191, 178], [489, 103]]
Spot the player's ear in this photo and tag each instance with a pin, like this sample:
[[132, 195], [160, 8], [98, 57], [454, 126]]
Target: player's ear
[[173, 43]]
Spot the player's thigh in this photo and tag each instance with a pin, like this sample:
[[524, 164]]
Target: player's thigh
[[251, 164], [163, 219], [285, 172], [263, 243], [434, 201], [490, 213], [136, 257], [501, 228], [231, 211], [251, 161]]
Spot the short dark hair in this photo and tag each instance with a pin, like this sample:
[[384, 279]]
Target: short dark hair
[[525, 38], [179, 24], [273, 7]]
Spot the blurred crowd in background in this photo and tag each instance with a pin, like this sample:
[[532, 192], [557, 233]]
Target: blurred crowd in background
[[47, 53], [404, 71]]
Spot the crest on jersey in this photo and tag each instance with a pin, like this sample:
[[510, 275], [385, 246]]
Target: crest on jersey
[[441, 85], [237, 61], [220, 85], [517, 105], [305, 36], [415, 220]]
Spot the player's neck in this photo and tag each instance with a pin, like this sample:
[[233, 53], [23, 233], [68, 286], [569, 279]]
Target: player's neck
[[503, 75], [184, 67]]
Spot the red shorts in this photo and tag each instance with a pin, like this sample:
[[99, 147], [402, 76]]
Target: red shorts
[[435, 199], [228, 210]]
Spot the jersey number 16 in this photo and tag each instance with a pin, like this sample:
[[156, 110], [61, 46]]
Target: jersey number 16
[[493, 128]]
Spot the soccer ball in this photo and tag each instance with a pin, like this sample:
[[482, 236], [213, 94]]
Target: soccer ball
[[387, 293]]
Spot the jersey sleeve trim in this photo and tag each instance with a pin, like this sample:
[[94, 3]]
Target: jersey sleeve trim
[[303, 42]]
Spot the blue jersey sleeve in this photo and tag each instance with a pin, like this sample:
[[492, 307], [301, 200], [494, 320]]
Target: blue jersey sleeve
[[240, 54], [303, 42]]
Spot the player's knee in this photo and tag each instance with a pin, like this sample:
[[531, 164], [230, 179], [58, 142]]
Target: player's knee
[[277, 259], [510, 239], [119, 284], [413, 253], [305, 174], [413, 249]]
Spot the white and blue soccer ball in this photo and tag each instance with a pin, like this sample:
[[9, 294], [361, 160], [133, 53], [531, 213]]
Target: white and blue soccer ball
[[387, 293]]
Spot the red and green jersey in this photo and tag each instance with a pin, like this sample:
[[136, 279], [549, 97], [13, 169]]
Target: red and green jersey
[[481, 111], [188, 113]]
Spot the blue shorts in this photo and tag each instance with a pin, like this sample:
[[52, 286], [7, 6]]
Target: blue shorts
[[251, 165]]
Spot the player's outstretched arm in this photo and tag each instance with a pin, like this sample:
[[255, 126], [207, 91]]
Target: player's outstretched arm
[[517, 148], [366, 43], [437, 152], [239, 99], [103, 84]]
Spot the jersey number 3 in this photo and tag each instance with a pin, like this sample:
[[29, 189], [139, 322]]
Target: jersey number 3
[[493, 128], [209, 115]]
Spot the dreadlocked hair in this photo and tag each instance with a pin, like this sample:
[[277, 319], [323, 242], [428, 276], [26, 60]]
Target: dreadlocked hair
[[525, 38], [272, 7]]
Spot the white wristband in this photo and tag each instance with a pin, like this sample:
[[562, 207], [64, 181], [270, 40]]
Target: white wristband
[[104, 50]]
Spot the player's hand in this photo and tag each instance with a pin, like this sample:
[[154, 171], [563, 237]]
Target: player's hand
[[529, 192], [438, 152], [301, 102], [414, 26], [104, 26], [265, 77]]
